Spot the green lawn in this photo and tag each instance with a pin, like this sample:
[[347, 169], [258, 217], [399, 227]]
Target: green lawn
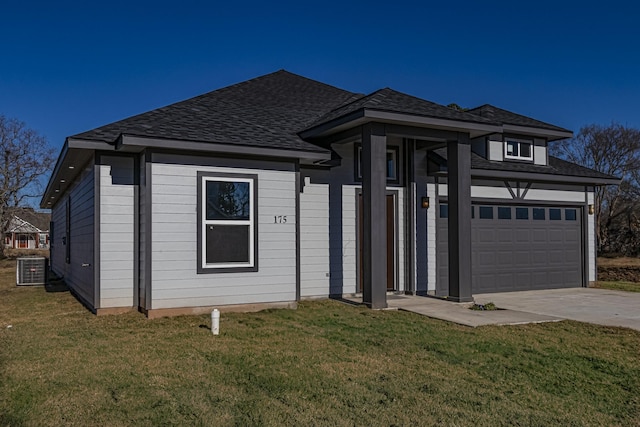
[[323, 364], [619, 286]]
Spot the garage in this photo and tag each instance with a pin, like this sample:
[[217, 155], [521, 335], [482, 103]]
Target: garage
[[517, 248]]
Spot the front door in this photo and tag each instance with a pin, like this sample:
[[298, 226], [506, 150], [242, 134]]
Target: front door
[[391, 242]]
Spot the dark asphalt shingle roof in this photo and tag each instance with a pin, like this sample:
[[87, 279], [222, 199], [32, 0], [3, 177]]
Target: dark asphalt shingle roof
[[266, 112], [39, 220], [507, 117], [556, 166], [393, 101]]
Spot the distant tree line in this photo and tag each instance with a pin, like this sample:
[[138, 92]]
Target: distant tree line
[[613, 150]]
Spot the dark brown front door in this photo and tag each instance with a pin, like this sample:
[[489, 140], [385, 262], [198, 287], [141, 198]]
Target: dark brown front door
[[391, 236]]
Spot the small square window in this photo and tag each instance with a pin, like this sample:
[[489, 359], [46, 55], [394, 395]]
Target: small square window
[[555, 214], [504, 212], [522, 213], [444, 211], [570, 214], [518, 149], [391, 164], [538, 214], [486, 212]]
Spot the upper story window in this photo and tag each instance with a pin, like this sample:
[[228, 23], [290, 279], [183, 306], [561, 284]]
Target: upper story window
[[518, 149], [227, 209], [391, 164]]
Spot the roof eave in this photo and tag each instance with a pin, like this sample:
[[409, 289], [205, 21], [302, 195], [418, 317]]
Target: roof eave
[[138, 143], [367, 115], [543, 177], [551, 135]]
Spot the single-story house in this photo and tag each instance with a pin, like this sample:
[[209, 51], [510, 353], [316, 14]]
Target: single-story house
[[27, 229], [283, 188]]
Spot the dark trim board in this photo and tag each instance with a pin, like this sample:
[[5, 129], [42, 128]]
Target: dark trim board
[[298, 255], [148, 232], [96, 230]]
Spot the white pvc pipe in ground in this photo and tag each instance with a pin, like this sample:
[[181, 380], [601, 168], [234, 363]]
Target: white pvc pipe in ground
[[215, 322]]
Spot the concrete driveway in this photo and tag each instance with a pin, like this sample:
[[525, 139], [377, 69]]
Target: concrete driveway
[[599, 306]]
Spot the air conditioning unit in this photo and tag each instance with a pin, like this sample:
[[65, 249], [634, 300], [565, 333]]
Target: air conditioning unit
[[31, 271]]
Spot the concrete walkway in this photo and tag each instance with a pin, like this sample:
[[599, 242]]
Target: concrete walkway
[[459, 312], [598, 306]]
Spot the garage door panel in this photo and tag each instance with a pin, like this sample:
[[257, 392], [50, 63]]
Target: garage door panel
[[504, 235], [521, 259], [556, 257], [520, 254], [522, 236], [540, 236], [486, 258], [484, 235]]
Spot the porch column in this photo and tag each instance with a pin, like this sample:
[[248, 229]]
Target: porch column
[[374, 182], [459, 190]]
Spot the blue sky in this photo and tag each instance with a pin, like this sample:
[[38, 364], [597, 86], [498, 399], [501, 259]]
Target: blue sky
[[71, 66]]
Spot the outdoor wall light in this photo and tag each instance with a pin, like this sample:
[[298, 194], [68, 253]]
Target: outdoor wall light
[[425, 203], [591, 209]]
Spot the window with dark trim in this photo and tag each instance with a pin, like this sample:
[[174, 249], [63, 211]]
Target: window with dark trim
[[518, 149], [444, 210], [570, 214], [392, 165], [227, 218]]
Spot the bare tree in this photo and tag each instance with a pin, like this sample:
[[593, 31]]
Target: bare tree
[[614, 150], [25, 158]]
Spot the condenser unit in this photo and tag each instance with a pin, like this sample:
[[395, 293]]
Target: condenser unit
[[31, 271]]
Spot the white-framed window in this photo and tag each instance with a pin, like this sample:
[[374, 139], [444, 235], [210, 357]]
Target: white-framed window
[[391, 164], [518, 149], [227, 216]]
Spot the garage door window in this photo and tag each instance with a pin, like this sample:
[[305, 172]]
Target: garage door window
[[444, 211], [486, 212], [555, 214], [504, 213], [538, 214], [570, 214], [522, 213]]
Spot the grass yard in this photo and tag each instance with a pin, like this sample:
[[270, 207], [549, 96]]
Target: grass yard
[[619, 286], [323, 364]]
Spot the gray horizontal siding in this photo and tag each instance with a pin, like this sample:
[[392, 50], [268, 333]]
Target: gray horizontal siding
[[79, 272], [117, 200], [175, 282], [314, 240]]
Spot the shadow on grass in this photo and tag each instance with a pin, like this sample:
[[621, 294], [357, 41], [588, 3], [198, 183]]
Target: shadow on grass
[[56, 285]]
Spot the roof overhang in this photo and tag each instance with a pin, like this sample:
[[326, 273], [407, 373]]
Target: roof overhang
[[131, 143], [542, 177], [366, 115], [550, 135], [76, 153]]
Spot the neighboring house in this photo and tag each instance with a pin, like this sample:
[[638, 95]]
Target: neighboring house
[[282, 188], [27, 229]]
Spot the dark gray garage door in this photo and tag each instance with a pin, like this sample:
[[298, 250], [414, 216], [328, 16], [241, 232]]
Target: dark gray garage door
[[517, 248]]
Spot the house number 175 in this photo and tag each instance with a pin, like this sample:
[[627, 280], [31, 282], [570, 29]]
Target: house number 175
[[279, 219]]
